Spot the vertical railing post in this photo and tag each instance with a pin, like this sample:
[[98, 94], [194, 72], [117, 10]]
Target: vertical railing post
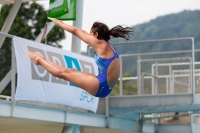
[[173, 76], [142, 83], [152, 79], [120, 76], [156, 81], [190, 78], [170, 79], [167, 85], [139, 75], [193, 71], [107, 111]]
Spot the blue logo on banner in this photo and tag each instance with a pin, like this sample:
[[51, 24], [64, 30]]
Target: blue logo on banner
[[72, 63], [85, 96]]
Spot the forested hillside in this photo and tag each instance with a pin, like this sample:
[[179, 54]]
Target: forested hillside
[[183, 24]]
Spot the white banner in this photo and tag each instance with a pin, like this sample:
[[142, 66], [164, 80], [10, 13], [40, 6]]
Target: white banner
[[34, 83]]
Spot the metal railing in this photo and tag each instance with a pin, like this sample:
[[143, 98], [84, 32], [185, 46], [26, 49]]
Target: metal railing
[[144, 57]]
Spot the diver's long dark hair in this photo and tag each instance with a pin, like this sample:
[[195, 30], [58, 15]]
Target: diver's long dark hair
[[117, 31]]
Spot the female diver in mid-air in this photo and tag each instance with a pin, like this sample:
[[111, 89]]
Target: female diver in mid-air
[[106, 58]]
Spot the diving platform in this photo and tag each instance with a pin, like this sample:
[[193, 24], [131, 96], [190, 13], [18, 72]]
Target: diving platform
[[122, 115]]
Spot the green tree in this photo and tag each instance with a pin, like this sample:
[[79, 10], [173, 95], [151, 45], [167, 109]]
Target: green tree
[[29, 22]]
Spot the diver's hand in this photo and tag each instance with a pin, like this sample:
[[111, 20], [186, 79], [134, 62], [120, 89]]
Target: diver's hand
[[56, 21]]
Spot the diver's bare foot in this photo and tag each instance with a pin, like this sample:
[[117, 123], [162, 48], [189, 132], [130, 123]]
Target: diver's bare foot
[[35, 57]]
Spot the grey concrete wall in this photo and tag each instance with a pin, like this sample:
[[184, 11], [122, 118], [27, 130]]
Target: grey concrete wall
[[195, 128], [148, 128], [175, 128]]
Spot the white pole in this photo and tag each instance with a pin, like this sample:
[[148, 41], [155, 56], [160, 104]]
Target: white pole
[[170, 78], [120, 74], [153, 83], [9, 20], [193, 71], [50, 25], [139, 75], [76, 42], [156, 79]]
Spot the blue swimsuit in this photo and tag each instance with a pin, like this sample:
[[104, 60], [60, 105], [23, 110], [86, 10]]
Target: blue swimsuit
[[103, 65]]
